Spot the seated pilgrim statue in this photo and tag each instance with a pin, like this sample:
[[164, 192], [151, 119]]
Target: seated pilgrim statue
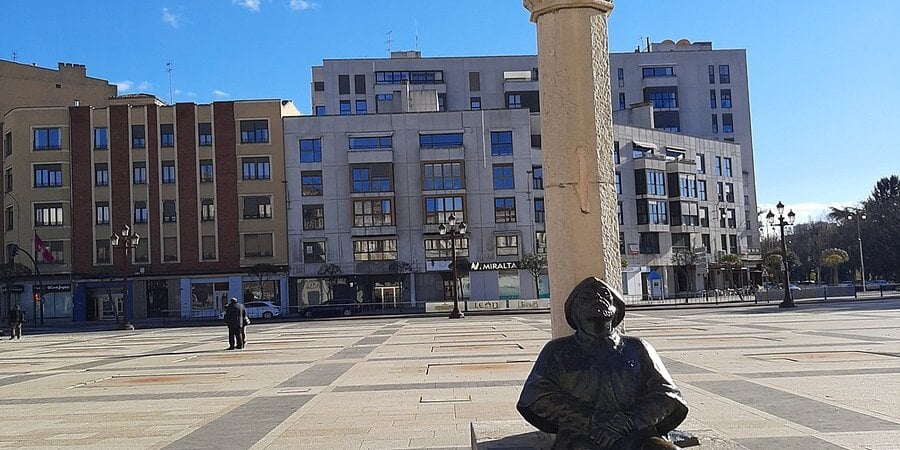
[[598, 389]]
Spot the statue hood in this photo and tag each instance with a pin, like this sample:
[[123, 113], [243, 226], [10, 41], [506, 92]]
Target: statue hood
[[586, 291]]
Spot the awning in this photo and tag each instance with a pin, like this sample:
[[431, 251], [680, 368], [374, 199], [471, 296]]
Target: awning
[[644, 144]]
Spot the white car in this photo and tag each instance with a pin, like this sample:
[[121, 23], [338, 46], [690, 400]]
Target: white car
[[877, 284], [259, 309]]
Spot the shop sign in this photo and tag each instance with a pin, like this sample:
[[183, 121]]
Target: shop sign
[[438, 307], [14, 289], [486, 305], [58, 287], [483, 266], [535, 303]]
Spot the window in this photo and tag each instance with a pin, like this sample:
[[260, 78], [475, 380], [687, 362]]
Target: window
[[258, 207], [361, 107], [540, 242], [345, 108], [621, 100], [712, 74], [726, 98], [649, 243], [724, 242], [166, 135], [254, 131], [704, 238], [438, 209], [687, 186], [474, 103], [371, 178], [310, 150], [618, 182], [504, 209], [7, 144], [138, 138], [47, 175], [207, 171], [652, 212], [701, 163], [9, 179], [712, 99], [620, 72], [47, 139], [733, 243], [442, 140], [375, 250], [169, 211], [168, 172], [732, 218], [100, 139], [373, 213], [101, 174], [413, 77], [507, 245], [620, 214], [727, 166], [662, 98], [652, 72], [503, 176], [442, 249], [501, 143], [537, 178], [539, 210], [207, 210], [139, 172], [205, 138], [256, 168], [170, 249], [724, 74], [313, 252], [257, 245], [701, 189], [319, 86], [102, 246], [442, 101], [656, 184], [140, 212], [384, 102], [344, 84], [715, 123], [718, 167], [443, 176], [727, 123], [720, 192], [313, 217], [359, 83], [320, 110], [10, 218], [704, 216], [208, 248], [311, 183], [685, 214], [514, 101], [729, 192], [681, 240], [371, 143], [474, 81], [48, 215], [102, 213]]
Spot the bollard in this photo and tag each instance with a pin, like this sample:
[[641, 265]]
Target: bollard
[[826, 292]]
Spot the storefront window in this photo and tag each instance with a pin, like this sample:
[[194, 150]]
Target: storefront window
[[509, 284], [57, 304], [209, 296], [544, 286], [266, 291]]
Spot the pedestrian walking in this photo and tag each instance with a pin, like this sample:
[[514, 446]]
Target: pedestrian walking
[[236, 319], [16, 318]]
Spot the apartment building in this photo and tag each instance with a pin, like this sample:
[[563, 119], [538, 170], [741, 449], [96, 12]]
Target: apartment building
[[30, 85], [201, 184]]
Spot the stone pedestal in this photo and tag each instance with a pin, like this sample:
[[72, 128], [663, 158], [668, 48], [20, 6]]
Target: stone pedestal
[[577, 141]]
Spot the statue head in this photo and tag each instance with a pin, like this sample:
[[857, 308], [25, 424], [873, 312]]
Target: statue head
[[594, 307]]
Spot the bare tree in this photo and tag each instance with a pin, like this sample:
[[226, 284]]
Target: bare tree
[[331, 273], [536, 265], [683, 260]]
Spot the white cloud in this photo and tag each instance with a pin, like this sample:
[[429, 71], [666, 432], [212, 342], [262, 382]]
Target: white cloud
[[302, 5], [170, 18], [124, 86], [252, 5], [144, 86], [220, 94]]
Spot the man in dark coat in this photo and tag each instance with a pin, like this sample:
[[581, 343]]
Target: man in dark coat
[[236, 319], [16, 318], [598, 389]]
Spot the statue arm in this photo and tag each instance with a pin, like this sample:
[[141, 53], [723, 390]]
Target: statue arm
[[545, 404], [661, 406]]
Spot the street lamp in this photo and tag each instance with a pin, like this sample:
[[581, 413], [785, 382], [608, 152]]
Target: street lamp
[[453, 230], [788, 297], [862, 264], [125, 240]]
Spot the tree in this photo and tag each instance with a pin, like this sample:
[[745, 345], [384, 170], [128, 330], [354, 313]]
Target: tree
[[731, 262], [880, 230], [9, 274], [262, 272], [773, 263], [330, 272], [832, 258], [402, 269], [536, 265], [683, 260]]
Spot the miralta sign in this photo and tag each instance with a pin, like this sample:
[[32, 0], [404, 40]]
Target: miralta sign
[[482, 266]]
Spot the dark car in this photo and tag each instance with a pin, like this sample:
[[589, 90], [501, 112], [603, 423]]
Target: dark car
[[335, 307]]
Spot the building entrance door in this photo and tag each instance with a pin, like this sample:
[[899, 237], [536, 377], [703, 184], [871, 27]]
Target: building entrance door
[[388, 295]]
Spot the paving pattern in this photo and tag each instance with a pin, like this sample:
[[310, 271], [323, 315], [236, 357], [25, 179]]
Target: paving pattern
[[822, 376]]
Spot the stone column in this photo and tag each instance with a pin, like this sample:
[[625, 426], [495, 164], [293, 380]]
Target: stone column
[[577, 141]]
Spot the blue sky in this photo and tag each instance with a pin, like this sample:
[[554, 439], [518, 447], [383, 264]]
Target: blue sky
[[824, 74]]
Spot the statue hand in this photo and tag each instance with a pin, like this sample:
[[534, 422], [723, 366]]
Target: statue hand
[[605, 438], [607, 432]]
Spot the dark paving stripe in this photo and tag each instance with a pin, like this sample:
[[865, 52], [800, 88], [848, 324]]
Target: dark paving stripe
[[21, 378], [801, 410], [787, 443], [419, 386], [372, 340], [682, 368], [354, 352], [318, 375], [203, 366], [782, 347], [125, 398], [852, 337], [243, 426], [824, 373], [430, 358]]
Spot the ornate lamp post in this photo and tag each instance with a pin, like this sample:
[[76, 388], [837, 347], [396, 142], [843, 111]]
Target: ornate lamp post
[[454, 230], [125, 240], [862, 264], [788, 301]]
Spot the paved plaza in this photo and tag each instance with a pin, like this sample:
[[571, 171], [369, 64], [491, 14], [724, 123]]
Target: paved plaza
[[823, 376]]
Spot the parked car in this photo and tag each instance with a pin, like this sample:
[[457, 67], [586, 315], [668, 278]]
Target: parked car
[[847, 283], [335, 307], [877, 284], [259, 309]]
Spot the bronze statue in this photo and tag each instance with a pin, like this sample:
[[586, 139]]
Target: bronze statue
[[598, 389]]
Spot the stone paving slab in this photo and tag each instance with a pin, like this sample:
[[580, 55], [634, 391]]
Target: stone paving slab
[[821, 376]]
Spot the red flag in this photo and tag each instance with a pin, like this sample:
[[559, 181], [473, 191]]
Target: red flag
[[40, 248]]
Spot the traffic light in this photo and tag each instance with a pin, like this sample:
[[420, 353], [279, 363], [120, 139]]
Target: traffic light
[[37, 297]]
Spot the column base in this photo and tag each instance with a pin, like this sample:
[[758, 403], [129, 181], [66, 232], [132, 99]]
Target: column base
[[456, 314]]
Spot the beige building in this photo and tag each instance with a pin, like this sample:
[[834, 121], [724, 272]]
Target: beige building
[[29, 85]]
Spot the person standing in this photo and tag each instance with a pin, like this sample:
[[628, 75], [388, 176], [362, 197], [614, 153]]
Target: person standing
[[16, 319], [235, 319]]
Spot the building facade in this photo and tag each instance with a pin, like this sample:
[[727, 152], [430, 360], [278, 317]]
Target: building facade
[[29, 85], [201, 184]]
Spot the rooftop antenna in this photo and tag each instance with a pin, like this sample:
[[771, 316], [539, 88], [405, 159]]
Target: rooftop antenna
[[389, 40], [416, 25], [15, 56], [169, 69]]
